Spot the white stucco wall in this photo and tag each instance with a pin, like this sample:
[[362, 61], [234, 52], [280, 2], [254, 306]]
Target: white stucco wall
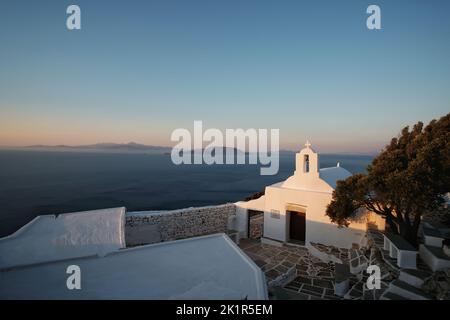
[[50, 238], [319, 228]]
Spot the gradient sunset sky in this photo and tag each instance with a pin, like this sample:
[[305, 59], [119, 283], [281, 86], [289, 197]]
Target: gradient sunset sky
[[140, 69]]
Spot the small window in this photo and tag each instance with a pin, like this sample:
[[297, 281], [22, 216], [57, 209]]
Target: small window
[[306, 163]]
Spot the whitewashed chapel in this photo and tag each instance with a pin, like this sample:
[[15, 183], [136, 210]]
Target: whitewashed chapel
[[294, 209]]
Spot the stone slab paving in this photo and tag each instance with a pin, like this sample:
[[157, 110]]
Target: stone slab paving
[[314, 278], [341, 253]]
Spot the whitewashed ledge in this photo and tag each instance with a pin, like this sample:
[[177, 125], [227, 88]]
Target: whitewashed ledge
[[71, 235]]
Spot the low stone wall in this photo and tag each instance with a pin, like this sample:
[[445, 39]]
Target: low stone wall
[[152, 227]]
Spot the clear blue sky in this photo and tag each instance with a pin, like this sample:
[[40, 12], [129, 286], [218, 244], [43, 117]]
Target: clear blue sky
[[139, 69]]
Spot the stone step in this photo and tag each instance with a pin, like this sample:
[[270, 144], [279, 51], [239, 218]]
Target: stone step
[[391, 262], [358, 261], [392, 296], [406, 290], [414, 277]]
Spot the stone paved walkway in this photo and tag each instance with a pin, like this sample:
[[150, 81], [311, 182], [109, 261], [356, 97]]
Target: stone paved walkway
[[340, 253], [293, 273], [313, 280]]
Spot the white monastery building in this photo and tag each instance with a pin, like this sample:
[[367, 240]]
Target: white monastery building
[[294, 209]]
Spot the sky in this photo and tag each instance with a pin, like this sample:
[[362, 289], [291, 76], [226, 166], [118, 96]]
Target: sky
[[137, 70]]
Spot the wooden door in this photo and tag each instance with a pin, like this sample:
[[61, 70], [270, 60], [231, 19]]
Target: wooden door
[[297, 228]]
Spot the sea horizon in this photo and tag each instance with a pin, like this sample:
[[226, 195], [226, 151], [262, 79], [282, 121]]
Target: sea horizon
[[39, 182]]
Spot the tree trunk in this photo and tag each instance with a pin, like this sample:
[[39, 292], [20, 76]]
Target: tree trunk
[[409, 232], [392, 224]]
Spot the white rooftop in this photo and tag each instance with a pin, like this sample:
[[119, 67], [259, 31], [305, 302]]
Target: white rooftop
[[49, 237], [333, 174], [208, 267]]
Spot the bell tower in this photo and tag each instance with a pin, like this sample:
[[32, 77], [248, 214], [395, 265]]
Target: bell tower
[[307, 162]]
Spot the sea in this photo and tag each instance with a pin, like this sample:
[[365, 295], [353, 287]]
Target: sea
[[52, 182]]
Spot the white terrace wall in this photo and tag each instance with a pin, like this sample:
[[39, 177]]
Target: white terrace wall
[[71, 235], [157, 226]]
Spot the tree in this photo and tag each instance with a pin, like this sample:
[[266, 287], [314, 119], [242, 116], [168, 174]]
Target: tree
[[409, 178]]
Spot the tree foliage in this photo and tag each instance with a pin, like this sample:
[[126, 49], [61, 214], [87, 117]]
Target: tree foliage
[[409, 178]]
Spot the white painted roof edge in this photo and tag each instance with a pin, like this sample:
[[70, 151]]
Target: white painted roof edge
[[26, 226], [259, 275]]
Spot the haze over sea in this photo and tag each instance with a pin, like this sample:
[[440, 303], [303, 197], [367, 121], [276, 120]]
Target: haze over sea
[[51, 182]]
